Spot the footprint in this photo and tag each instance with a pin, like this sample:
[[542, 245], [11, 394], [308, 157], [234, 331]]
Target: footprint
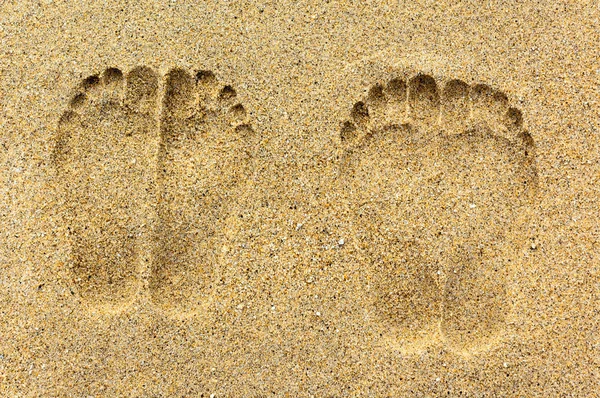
[[203, 162], [438, 179], [103, 157]]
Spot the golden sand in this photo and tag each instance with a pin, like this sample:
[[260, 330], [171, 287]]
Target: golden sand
[[299, 199]]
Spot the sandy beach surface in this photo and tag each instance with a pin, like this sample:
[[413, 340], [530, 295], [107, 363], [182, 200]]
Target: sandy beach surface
[[227, 199]]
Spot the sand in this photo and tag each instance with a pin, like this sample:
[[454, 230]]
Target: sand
[[299, 199]]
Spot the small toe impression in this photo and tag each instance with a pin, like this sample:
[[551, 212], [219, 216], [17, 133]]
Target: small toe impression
[[207, 83], [489, 107], [244, 131], [205, 78], [456, 106], [89, 91], [376, 102], [514, 119], [90, 83], [142, 89], [112, 76], [227, 97], [237, 114], [514, 122], [360, 114], [376, 96], [424, 100], [112, 79], [348, 133], [78, 100], [396, 94], [179, 94]]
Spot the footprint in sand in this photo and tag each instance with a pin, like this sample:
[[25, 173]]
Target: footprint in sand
[[104, 159], [115, 185], [438, 179], [203, 159]]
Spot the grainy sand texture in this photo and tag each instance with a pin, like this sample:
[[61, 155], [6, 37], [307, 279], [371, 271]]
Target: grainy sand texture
[[326, 199]]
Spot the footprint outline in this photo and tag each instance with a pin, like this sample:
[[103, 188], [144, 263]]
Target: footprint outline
[[416, 116]]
